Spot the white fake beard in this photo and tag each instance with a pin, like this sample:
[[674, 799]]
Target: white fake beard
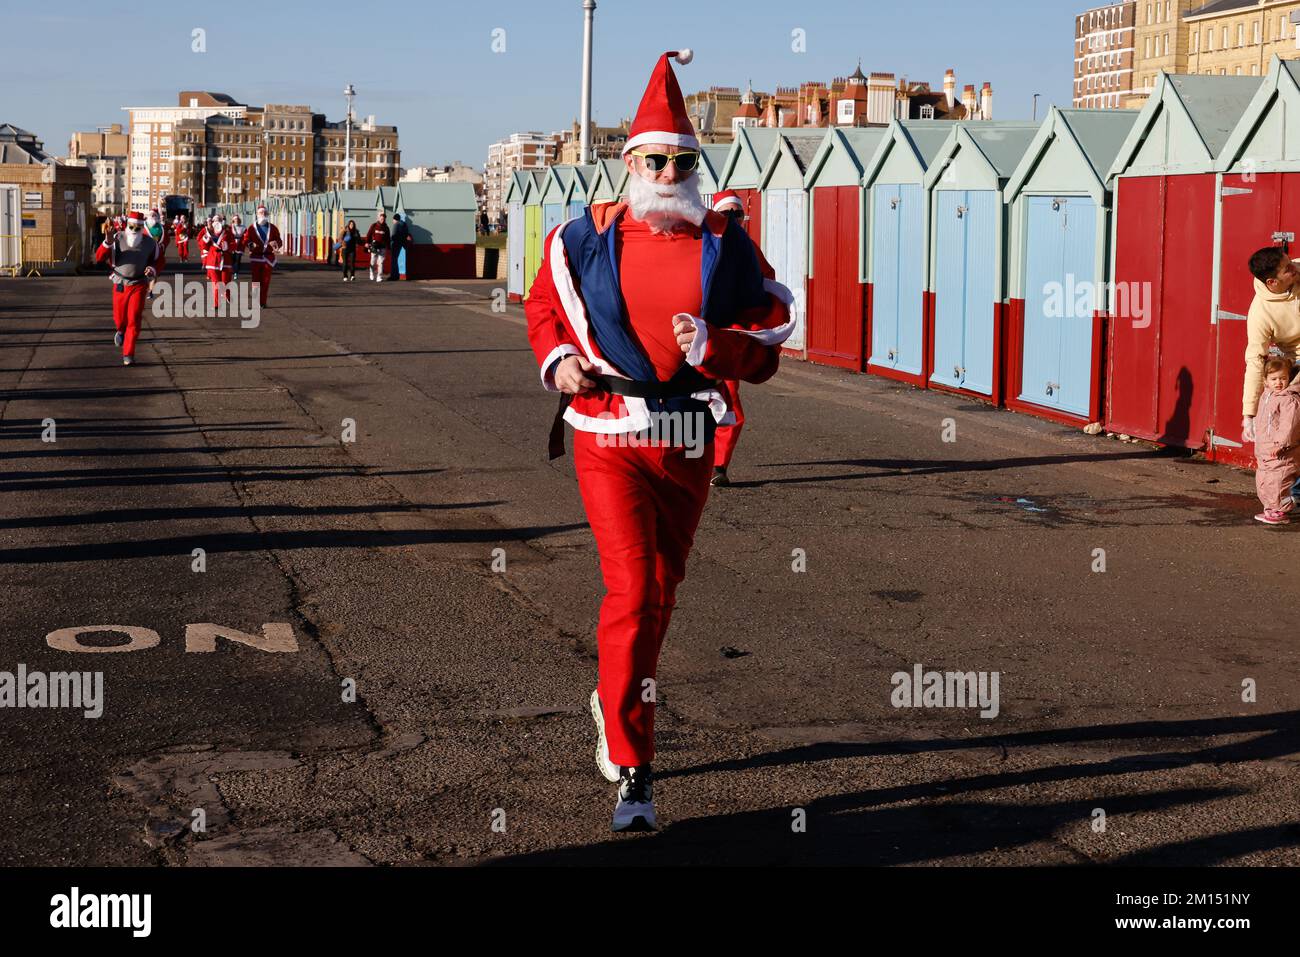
[[666, 207], [134, 239]]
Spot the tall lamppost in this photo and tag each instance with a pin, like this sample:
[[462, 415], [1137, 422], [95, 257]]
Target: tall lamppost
[[589, 8], [1036, 96], [349, 92]]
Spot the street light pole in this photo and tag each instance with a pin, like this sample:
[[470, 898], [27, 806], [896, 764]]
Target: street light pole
[[349, 92], [589, 8], [1036, 96]]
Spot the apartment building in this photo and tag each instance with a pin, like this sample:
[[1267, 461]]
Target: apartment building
[[1103, 56], [1239, 37], [212, 150], [519, 151]]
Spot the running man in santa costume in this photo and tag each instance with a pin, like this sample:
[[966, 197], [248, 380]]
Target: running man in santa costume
[[182, 231], [216, 245], [639, 308], [130, 254], [729, 204], [261, 243]]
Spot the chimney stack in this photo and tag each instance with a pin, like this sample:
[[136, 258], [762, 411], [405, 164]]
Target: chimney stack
[[986, 102], [950, 88], [968, 100]]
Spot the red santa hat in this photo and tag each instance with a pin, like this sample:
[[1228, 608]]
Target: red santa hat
[[661, 117], [135, 216], [725, 199], [261, 207]]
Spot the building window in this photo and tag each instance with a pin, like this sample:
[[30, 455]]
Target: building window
[[1241, 34]]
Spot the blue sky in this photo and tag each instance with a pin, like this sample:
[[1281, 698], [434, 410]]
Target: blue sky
[[430, 68]]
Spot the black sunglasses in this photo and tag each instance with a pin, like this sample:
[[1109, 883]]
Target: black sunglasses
[[685, 162]]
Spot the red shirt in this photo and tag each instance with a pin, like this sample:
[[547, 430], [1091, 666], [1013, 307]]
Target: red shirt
[[659, 274]]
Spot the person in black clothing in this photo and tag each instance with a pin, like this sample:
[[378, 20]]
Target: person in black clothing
[[348, 244], [401, 241]]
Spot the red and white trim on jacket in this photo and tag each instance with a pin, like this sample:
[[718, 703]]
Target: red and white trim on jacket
[[638, 417]]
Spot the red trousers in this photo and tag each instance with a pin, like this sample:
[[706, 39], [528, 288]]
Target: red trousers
[[128, 307], [643, 505], [219, 280], [261, 274], [729, 435], [183, 249]]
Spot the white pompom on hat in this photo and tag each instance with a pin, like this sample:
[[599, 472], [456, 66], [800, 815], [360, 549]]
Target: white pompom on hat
[[662, 116]]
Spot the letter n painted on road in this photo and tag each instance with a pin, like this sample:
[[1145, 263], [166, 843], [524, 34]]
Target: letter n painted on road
[[275, 636]]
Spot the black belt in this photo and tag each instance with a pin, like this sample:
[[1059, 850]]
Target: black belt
[[680, 385], [685, 382]]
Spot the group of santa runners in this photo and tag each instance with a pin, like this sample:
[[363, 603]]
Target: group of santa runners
[[135, 250]]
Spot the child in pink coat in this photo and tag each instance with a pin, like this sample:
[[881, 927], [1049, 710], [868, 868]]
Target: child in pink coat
[[1277, 442]]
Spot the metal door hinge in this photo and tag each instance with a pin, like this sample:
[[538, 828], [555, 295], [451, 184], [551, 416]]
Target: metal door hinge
[[1224, 314], [1235, 191]]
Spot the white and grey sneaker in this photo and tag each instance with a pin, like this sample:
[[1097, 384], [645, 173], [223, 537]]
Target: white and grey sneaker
[[127, 360], [117, 339], [635, 810], [608, 769]]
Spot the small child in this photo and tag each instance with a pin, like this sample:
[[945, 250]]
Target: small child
[[1277, 442]]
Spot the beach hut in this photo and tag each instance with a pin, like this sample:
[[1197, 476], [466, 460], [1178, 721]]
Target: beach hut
[[608, 182], [532, 228], [1162, 338], [967, 255], [578, 197], [749, 152], [835, 288], [441, 219], [897, 207], [555, 192], [1059, 203], [712, 160], [785, 219], [1258, 206], [515, 235]]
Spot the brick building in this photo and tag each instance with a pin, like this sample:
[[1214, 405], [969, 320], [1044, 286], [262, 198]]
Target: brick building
[[46, 207], [213, 150], [1104, 39]]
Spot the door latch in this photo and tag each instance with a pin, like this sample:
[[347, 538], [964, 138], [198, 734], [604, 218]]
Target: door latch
[[891, 355], [1053, 387], [1286, 239], [957, 371], [961, 211]]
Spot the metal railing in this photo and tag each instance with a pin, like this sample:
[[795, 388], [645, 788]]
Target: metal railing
[[39, 254]]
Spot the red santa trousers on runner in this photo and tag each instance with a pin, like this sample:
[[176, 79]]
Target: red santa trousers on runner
[[724, 443], [643, 505], [219, 281], [128, 307], [262, 275]]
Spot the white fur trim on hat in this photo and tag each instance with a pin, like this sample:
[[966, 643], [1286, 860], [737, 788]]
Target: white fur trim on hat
[[668, 139], [726, 201]]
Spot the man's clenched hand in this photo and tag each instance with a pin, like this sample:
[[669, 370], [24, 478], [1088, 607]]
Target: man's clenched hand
[[570, 375]]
